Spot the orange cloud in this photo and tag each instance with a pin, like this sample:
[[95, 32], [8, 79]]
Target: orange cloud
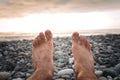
[[14, 8]]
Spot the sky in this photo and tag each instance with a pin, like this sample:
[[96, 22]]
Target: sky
[[58, 15]]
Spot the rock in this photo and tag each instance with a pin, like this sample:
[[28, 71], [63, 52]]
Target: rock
[[17, 79], [11, 48], [4, 75], [28, 74], [65, 76], [60, 79], [23, 53], [117, 78], [5, 53], [109, 49], [109, 72], [103, 78], [29, 65], [30, 70], [71, 60], [117, 68], [20, 74], [17, 68], [109, 78], [1, 55], [22, 61], [65, 72], [100, 67], [99, 73]]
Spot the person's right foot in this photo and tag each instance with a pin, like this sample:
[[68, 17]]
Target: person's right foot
[[42, 56], [83, 58]]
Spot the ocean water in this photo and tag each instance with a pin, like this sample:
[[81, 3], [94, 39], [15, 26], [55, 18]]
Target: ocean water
[[29, 36]]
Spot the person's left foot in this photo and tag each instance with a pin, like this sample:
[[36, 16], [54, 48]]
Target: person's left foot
[[83, 58], [42, 56]]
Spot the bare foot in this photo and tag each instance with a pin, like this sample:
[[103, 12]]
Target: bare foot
[[42, 56], [83, 58]]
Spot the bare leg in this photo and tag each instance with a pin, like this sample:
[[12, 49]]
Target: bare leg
[[83, 58], [42, 57]]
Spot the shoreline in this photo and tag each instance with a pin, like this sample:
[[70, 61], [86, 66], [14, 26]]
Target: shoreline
[[14, 38], [8, 36]]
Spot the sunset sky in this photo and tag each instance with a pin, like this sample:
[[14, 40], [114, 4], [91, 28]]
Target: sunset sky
[[58, 15]]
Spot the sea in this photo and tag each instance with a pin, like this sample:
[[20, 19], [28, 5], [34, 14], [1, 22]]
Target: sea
[[8, 36]]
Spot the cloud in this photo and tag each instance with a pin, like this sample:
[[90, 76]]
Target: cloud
[[15, 8]]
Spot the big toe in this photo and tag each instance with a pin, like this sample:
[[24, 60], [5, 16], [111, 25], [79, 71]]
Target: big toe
[[48, 35], [75, 37]]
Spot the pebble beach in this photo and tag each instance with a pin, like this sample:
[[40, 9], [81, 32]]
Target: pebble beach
[[15, 58]]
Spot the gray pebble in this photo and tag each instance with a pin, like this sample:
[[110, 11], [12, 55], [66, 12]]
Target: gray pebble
[[71, 60], [103, 78], [4, 75], [65, 72], [28, 74], [109, 78], [1, 55], [60, 79], [65, 76], [117, 68], [99, 73], [17, 79]]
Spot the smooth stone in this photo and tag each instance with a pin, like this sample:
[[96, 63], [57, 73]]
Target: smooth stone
[[22, 61], [22, 53], [29, 64], [5, 53], [117, 68], [109, 49], [4, 75], [11, 48], [65, 72], [20, 74], [17, 68], [71, 60], [109, 72], [30, 70], [103, 78], [100, 67], [99, 73], [117, 78], [109, 78], [60, 79], [59, 52], [17, 79], [28, 74], [1, 55], [73, 66], [65, 76]]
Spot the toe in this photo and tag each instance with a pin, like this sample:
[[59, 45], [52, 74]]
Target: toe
[[48, 35], [35, 42], [75, 37], [41, 37], [81, 40], [85, 42], [38, 40]]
